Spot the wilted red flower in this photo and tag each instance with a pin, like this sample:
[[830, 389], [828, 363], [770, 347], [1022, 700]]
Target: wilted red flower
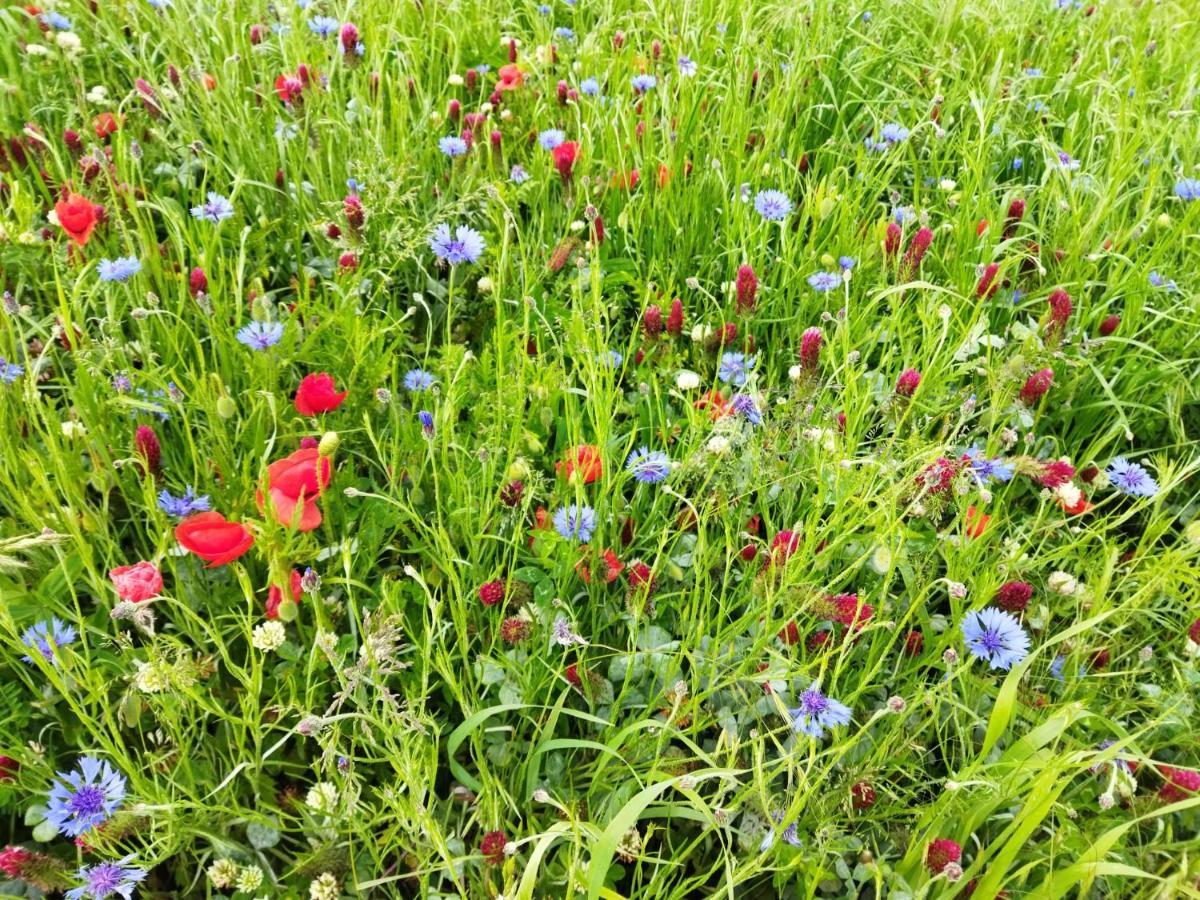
[[317, 394], [914, 643], [9, 768], [583, 462], [862, 795], [1109, 325], [105, 124], [1036, 386], [137, 583], [515, 629], [511, 493], [276, 598], [613, 567], [77, 217], [940, 853], [747, 289], [213, 538], [1194, 632], [295, 483]]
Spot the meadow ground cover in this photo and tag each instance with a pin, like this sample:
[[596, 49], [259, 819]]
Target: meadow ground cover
[[599, 448]]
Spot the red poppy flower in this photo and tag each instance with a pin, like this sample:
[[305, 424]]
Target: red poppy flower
[[582, 462], [288, 87], [977, 521], [275, 596], [716, 405], [213, 538], [294, 483], [511, 77], [105, 124], [613, 568], [137, 583], [317, 394], [77, 217]]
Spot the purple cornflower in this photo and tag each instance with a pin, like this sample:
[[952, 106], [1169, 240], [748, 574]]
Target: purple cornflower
[[744, 405], [120, 270], [1158, 281], [1067, 161], [86, 797], [418, 380], [551, 138], [260, 335], [735, 367], [121, 383], [687, 67], [772, 205], [995, 636], [643, 83], [426, 419], [517, 174], [453, 146], [984, 469], [564, 635], [465, 246], [46, 637], [648, 466], [184, 505], [817, 712], [789, 834], [215, 209], [1188, 189], [1130, 478], [105, 879], [824, 281], [575, 522], [589, 87], [893, 133]]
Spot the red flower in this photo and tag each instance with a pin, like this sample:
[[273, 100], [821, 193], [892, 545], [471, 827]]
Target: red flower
[[296, 481], [1016, 212], [8, 768], [940, 853], [289, 87], [492, 847], [77, 217], [747, 289], [105, 124], [1036, 386], [317, 394], [1178, 784], [916, 251], [511, 77], [564, 156], [810, 349], [987, 285], [137, 583], [493, 592], [583, 462], [783, 545], [1060, 309], [275, 595], [862, 795], [716, 404], [514, 630], [848, 610], [652, 321], [675, 318], [907, 383], [1109, 325], [146, 445], [977, 521], [197, 282], [914, 643], [613, 567], [891, 240], [213, 538], [1013, 596]]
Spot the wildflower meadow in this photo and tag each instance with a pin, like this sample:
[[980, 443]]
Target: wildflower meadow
[[605, 449]]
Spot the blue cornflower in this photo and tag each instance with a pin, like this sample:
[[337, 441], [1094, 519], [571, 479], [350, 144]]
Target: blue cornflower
[[121, 383], [105, 879], [260, 335], [648, 466], [735, 367], [1032, 72], [643, 83], [744, 405], [425, 417], [1067, 161], [984, 469], [323, 26], [610, 359], [551, 138], [824, 281], [772, 205], [1130, 478], [517, 174], [86, 797], [589, 87], [56, 20], [1056, 667], [565, 33], [893, 133], [575, 522], [47, 637], [789, 834], [465, 246], [185, 504], [121, 269], [1188, 189], [10, 372], [453, 146], [216, 209], [687, 67], [1018, 163], [995, 636], [1158, 281], [904, 215], [867, 16], [817, 712], [418, 380], [545, 9], [846, 263]]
